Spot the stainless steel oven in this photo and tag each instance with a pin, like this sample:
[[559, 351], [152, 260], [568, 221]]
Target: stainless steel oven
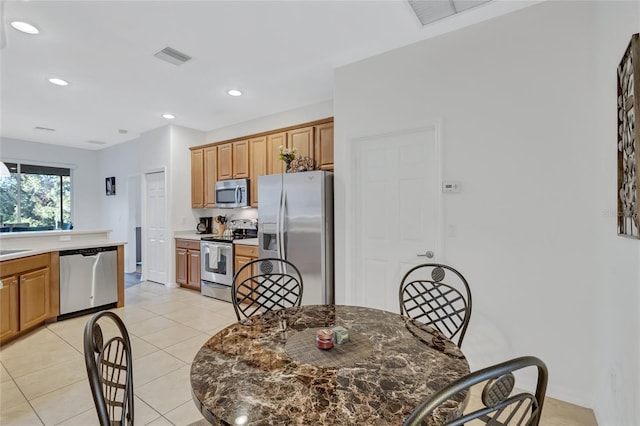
[[216, 273]]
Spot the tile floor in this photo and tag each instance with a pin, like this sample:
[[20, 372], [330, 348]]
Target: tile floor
[[43, 377]]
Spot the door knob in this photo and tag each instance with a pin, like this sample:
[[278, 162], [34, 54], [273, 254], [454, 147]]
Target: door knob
[[428, 254]]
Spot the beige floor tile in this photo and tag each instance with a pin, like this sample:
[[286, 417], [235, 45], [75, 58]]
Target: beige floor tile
[[133, 314], [171, 335], [20, 414], [160, 421], [140, 347], [184, 415], [52, 378], [4, 374], [167, 392], [165, 307], [150, 326], [188, 349], [152, 366], [63, 403], [48, 350], [560, 413], [188, 313], [88, 417], [10, 394]]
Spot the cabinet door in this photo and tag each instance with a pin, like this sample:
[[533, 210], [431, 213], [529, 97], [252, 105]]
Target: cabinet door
[[9, 321], [240, 261], [225, 161], [197, 178], [240, 159], [274, 141], [324, 147], [182, 264], [257, 165], [210, 177], [194, 269], [34, 298], [302, 140]]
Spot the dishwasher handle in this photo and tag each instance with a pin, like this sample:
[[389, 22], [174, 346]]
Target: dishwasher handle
[[87, 251]]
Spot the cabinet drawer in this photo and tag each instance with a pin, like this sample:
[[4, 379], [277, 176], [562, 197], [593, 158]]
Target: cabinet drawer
[[248, 251], [17, 266], [188, 244]]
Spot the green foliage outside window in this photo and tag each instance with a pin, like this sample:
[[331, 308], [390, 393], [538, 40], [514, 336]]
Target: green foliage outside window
[[45, 195]]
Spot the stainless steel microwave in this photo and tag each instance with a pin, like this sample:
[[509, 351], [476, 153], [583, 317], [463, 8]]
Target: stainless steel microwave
[[232, 193]]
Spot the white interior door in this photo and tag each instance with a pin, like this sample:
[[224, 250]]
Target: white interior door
[[155, 259], [398, 202]]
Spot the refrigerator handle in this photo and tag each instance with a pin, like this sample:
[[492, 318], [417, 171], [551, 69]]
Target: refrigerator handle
[[283, 249], [278, 214]]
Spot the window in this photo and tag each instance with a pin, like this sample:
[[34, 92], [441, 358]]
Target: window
[[35, 197]]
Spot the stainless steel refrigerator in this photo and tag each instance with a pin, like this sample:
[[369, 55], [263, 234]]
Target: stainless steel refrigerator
[[295, 214]]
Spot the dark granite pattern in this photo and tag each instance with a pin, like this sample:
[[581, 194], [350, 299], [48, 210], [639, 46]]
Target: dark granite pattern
[[243, 374]]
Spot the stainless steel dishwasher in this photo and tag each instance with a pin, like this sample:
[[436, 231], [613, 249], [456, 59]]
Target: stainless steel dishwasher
[[88, 279]]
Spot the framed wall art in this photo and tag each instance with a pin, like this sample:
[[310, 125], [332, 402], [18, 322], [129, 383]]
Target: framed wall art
[[110, 185], [629, 140]]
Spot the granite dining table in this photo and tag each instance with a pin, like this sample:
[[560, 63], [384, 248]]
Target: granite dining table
[[267, 370]]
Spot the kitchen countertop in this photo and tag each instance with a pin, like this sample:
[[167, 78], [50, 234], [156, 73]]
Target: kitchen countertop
[[24, 244], [192, 235]]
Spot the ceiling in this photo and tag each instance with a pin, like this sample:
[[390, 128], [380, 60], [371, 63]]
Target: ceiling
[[281, 54]]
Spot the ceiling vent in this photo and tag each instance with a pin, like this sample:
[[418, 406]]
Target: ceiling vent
[[172, 56], [47, 129], [429, 11], [97, 142]]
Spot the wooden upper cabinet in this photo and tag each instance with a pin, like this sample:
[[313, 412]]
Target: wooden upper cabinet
[[197, 178], [225, 161], [240, 159], [324, 146], [302, 140], [210, 176], [257, 165], [274, 141]]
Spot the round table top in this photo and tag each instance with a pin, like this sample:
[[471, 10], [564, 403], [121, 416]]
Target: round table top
[[267, 370]]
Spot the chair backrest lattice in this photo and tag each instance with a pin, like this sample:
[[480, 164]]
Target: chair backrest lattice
[[266, 285], [499, 405], [109, 369], [425, 297]]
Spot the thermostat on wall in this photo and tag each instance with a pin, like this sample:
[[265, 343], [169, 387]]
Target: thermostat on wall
[[450, 186]]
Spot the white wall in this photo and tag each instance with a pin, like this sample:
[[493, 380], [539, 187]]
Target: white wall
[[618, 293], [183, 216], [272, 122], [88, 188], [518, 107]]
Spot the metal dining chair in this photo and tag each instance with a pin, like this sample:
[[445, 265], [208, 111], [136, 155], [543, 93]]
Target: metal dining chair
[[499, 406], [109, 368], [265, 285], [439, 296]]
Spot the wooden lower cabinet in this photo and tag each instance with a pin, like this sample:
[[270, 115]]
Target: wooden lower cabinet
[[244, 254], [25, 294], [9, 308], [188, 263], [34, 298]]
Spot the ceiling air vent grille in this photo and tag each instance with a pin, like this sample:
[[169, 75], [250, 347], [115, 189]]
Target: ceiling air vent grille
[[97, 142], [172, 56], [46, 129], [429, 11]]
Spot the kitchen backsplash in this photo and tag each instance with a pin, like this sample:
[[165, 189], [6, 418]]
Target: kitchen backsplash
[[231, 214]]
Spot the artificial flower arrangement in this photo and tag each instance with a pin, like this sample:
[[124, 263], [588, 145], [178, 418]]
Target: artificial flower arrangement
[[288, 155]]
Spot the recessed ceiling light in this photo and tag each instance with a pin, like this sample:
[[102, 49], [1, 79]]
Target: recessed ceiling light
[[169, 116], [234, 92], [58, 81], [24, 27]]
